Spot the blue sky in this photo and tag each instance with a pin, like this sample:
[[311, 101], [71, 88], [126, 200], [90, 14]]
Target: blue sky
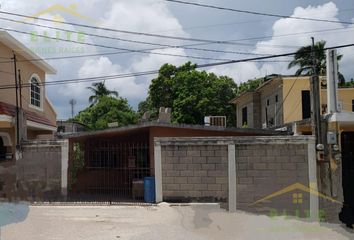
[[157, 16]]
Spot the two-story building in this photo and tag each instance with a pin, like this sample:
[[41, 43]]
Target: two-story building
[[37, 116], [284, 99]]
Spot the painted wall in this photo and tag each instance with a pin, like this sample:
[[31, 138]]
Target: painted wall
[[27, 70], [246, 101], [292, 101], [345, 98], [292, 109], [269, 93]]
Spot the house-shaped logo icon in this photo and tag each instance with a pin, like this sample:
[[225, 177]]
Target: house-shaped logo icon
[[59, 9], [297, 197]]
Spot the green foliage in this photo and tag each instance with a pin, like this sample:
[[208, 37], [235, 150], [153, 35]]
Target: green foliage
[[347, 84], [249, 85], [303, 60], [191, 94], [107, 110], [78, 162], [99, 90]]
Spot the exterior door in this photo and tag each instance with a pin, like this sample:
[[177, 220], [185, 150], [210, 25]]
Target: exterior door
[[347, 213]]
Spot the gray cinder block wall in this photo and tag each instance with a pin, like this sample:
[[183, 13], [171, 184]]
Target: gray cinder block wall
[[271, 177], [194, 172], [274, 175], [42, 171]]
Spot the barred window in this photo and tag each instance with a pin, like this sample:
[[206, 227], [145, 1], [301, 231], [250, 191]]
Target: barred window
[[35, 93]]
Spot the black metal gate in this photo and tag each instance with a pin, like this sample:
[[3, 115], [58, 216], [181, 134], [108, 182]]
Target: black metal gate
[[347, 142], [109, 169]]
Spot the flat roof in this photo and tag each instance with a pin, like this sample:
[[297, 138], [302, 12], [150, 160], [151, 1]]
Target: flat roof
[[167, 125], [19, 48]]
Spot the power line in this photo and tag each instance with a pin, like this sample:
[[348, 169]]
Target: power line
[[204, 41], [286, 96], [175, 46], [274, 56], [257, 13], [119, 30], [93, 55], [124, 50], [110, 77], [231, 23], [133, 41], [143, 51]]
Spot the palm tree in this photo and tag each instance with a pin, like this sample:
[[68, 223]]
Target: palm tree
[[303, 60], [99, 90]]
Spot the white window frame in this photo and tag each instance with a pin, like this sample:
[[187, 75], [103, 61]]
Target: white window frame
[[40, 108]]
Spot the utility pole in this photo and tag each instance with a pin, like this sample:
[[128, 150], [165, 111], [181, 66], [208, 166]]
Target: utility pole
[[17, 107], [20, 86], [315, 98], [72, 103]]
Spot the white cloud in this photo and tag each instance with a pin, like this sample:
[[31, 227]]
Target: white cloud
[[126, 87], [133, 15], [290, 26], [154, 61], [240, 72], [155, 16], [149, 16]]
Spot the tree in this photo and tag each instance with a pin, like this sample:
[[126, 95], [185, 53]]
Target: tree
[[99, 90], [303, 60], [191, 94], [107, 110]]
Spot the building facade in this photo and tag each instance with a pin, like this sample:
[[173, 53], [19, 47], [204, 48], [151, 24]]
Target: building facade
[[282, 100], [36, 114]]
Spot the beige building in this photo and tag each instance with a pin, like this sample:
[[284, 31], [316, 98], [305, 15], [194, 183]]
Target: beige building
[[284, 99], [37, 114]]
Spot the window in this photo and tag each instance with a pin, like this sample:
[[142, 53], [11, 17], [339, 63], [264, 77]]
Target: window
[[267, 102], [276, 98], [244, 116], [352, 105], [35, 93], [306, 104]]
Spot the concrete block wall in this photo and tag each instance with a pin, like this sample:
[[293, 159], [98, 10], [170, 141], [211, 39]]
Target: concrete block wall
[[266, 169], [196, 172], [273, 174], [40, 171]]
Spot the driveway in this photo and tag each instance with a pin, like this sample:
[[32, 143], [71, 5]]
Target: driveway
[[161, 222]]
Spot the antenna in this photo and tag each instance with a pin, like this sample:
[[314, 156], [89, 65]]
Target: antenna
[[72, 103]]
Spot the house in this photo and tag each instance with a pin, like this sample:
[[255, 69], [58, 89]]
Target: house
[[111, 164], [36, 114], [70, 126], [284, 99]]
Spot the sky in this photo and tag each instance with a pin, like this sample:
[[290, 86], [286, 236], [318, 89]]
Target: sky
[[251, 35]]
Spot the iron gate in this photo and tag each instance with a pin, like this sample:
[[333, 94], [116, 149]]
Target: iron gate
[[109, 170]]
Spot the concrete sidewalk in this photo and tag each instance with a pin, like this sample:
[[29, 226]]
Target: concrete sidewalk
[[161, 222]]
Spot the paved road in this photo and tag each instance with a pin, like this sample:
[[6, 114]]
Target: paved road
[[161, 222]]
